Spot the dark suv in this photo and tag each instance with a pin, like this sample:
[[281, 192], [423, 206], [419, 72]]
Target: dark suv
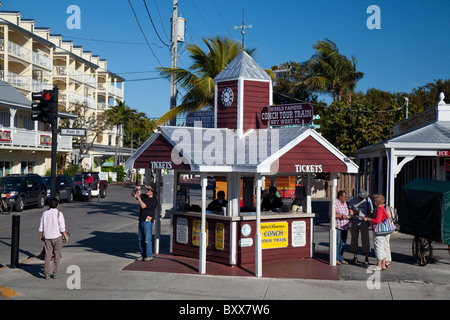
[[25, 190], [65, 189]]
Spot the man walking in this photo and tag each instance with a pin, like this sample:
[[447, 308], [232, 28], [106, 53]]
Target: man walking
[[51, 228]]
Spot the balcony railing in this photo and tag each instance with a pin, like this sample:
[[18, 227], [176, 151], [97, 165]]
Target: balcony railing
[[39, 86], [41, 60], [75, 74], [59, 71], [32, 139], [19, 51], [18, 80]]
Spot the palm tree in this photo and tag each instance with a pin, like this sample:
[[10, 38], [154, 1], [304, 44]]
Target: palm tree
[[331, 72], [198, 80], [118, 116]]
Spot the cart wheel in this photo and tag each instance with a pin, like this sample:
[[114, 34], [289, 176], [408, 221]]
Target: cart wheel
[[422, 250]]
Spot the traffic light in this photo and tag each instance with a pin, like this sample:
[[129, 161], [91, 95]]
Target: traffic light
[[46, 109]]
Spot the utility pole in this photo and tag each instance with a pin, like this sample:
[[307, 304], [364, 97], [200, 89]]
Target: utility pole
[[174, 49]]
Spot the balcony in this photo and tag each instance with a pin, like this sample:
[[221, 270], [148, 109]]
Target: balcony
[[33, 139], [59, 71], [39, 86], [76, 75], [18, 81], [41, 60], [19, 51]]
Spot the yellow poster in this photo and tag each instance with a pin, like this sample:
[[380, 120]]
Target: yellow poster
[[274, 235], [220, 236], [196, 231]]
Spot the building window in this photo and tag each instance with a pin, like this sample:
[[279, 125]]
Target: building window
[[27, 167], [5, 119], [5, 168]]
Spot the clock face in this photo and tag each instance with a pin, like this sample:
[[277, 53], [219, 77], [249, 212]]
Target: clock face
[[227, 97]]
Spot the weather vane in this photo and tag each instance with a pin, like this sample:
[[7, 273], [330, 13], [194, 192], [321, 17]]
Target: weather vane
[[243, 26]]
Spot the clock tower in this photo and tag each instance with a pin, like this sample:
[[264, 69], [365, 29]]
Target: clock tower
[[242, 89]]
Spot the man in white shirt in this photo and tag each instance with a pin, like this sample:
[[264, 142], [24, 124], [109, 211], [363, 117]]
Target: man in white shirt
[[51, 228]]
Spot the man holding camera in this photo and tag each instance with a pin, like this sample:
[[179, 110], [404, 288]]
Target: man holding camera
[[145, 196]]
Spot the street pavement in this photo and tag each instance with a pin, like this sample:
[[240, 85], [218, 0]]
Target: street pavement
[[103, 243]]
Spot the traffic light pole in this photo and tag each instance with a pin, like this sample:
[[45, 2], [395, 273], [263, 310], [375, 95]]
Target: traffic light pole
[[54, 125]]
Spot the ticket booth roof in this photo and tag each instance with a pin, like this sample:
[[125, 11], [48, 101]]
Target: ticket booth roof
[[266, 151]]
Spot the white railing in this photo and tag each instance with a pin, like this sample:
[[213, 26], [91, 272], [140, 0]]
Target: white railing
[[75, 74], [39, 86], [90, 80], [18, 50], [41, 60], [59, 71], [18, 80], [36, 139], [101, 106]]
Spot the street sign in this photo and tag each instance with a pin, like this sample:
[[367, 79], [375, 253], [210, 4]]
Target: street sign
[[286, 115], [74, 132]]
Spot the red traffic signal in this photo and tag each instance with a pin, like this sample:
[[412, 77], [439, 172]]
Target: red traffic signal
[[46, 109]]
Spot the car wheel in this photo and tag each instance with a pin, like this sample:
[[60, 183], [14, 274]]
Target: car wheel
[[20, 204], [41, 201], [70, 199], [103, 193]]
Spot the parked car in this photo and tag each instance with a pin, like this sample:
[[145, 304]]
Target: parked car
[[99, 187], [65, 188], [24, 190]]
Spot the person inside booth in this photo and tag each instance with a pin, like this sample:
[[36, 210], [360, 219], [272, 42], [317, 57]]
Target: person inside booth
[[272, 202], [219, 203]]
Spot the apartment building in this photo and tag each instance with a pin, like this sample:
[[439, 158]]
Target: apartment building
[[33, 59]]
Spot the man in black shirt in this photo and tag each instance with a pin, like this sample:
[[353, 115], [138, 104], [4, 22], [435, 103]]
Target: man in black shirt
[[145, 195], [272, 202]]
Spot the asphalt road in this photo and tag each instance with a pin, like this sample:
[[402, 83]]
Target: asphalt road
[[110, 226]]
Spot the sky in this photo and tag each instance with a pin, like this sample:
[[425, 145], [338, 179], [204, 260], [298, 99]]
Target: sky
[[410, 49]]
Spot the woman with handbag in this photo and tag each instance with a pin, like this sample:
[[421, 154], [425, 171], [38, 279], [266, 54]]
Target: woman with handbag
[[52, 229], [379, 237]]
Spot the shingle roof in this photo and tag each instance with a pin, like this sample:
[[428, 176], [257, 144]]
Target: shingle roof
[[437, 132], [10, 96], [243, 66]]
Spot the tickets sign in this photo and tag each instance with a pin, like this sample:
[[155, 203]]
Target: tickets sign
[[287, 115]]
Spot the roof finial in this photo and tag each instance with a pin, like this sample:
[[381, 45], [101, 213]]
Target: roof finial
[[441, 96], [243, 26]]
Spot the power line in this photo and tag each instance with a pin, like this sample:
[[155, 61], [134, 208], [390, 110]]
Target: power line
[[215, 4], [142, 31], [154, 28]]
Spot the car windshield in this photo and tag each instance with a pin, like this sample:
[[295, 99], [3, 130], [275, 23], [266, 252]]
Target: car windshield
[[9, 182]]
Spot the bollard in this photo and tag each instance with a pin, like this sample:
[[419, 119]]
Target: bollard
[[15, 237]]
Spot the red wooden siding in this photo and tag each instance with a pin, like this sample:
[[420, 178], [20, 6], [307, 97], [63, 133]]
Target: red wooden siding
[[159, 150], [246, 255], [256, 96], [227, 117], [212, 254], [310, 152]]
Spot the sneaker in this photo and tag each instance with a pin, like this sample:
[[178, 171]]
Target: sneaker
[[47, 277], [355, 260], [366, 262], [148, 258], [55, 276], [139, 259]]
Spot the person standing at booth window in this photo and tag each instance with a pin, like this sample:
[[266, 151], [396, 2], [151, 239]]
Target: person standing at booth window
[[145, 195], [219, 203], [272, 202], [342, 225]]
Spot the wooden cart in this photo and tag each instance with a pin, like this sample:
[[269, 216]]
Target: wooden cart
[[424, 212]]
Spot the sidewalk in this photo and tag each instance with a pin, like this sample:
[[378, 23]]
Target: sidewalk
[[107, 276]]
